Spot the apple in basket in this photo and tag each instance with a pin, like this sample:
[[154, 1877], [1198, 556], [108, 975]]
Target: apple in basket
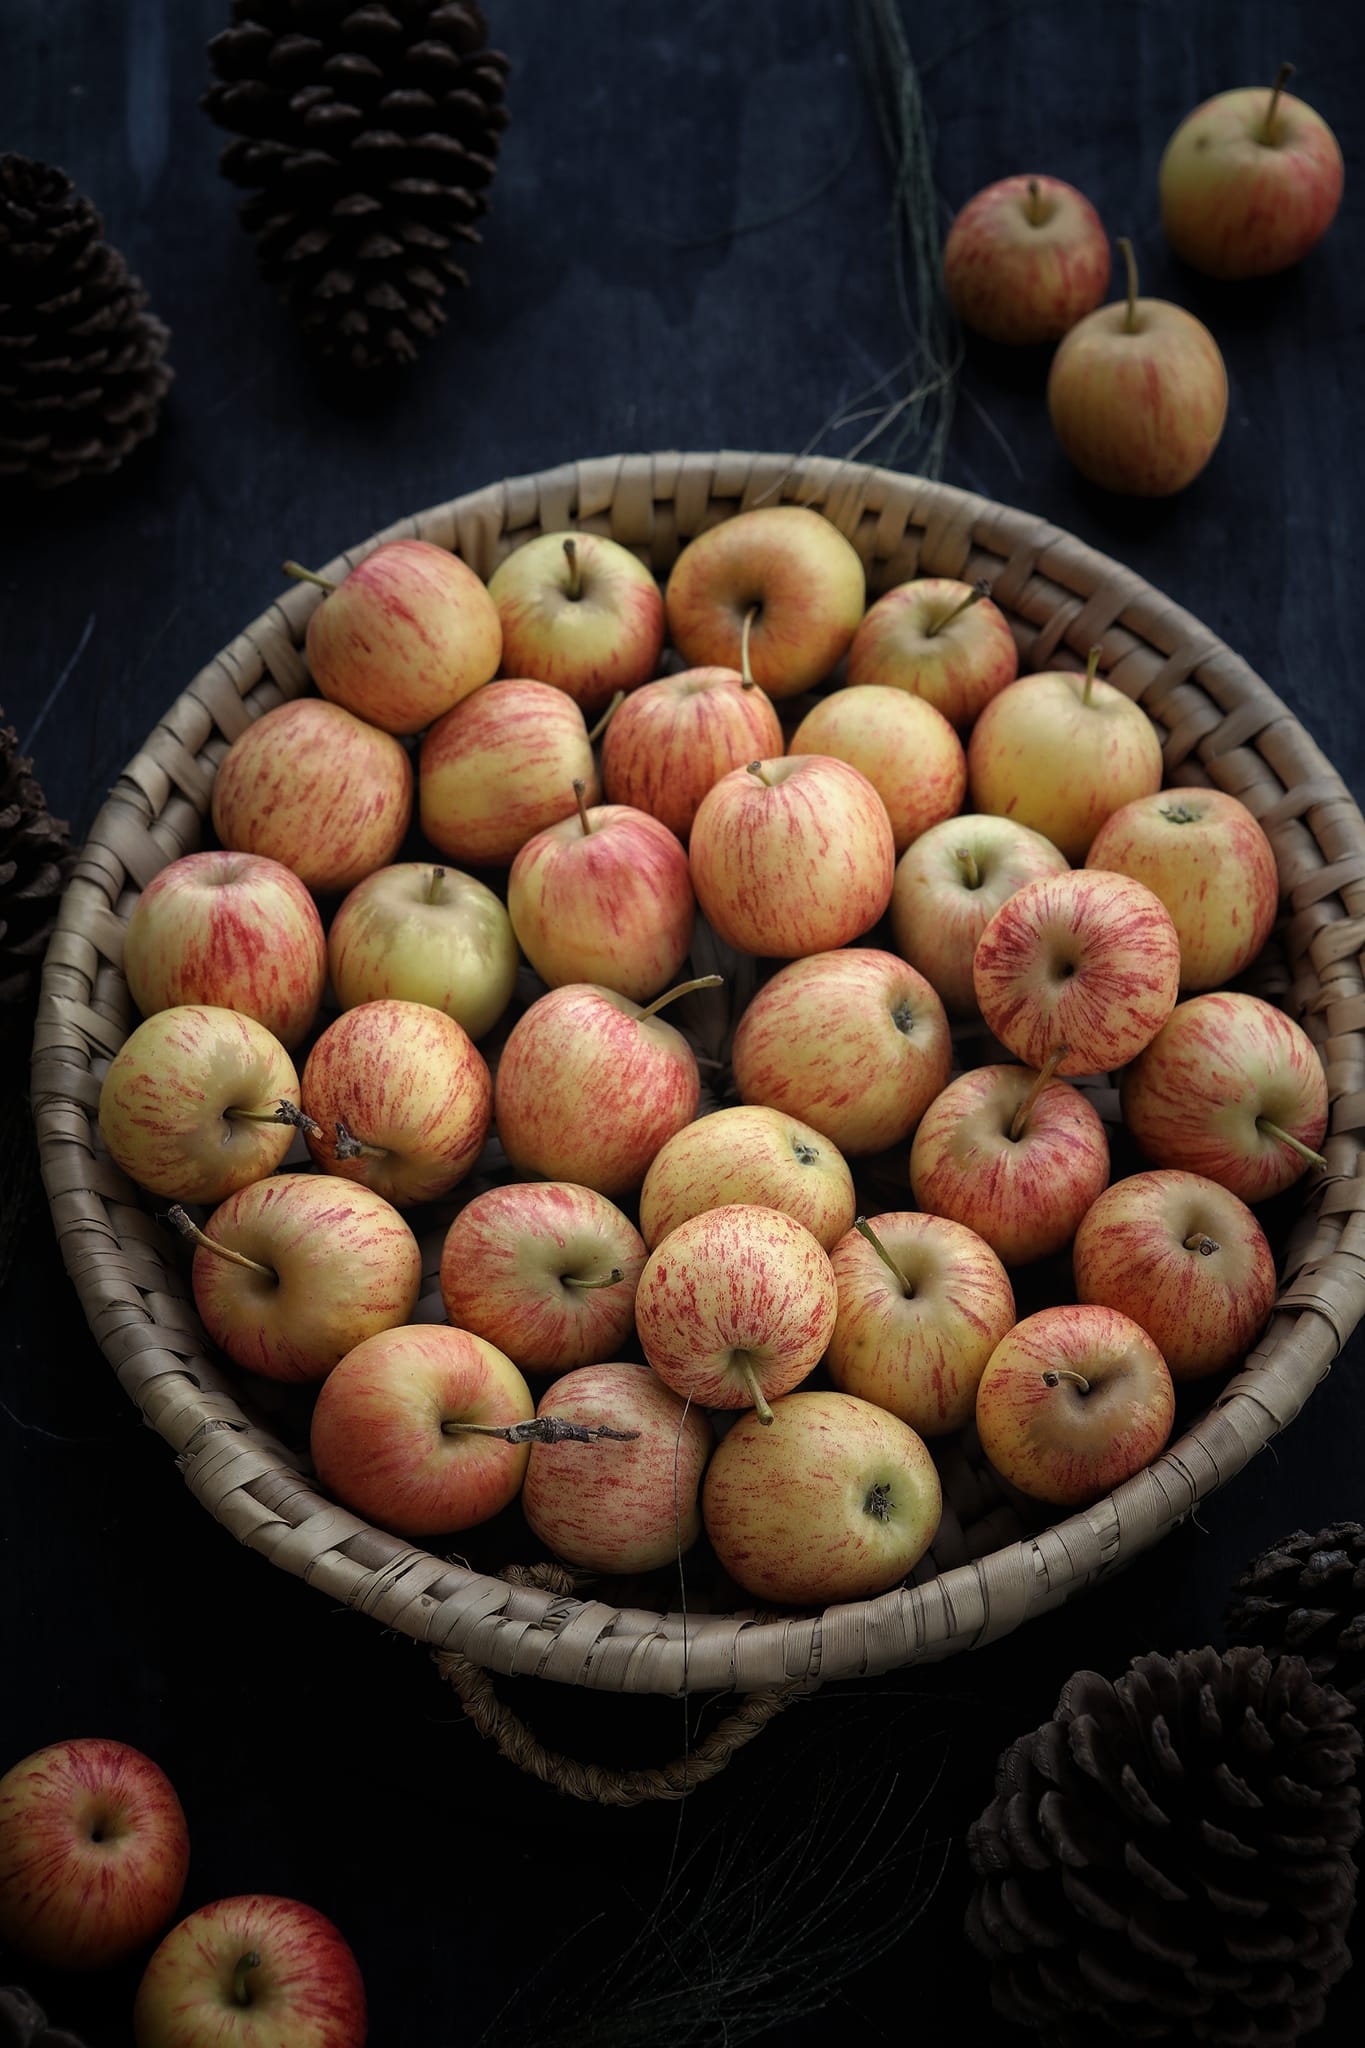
[[736, 1306], [294, 1271], [252, 1972], [837, 1501], [670, 742], [618, 1506], [748, 1154], [580, 611], [949, 885], [424, 934], [404, 637], [231, 929], [1073, 1401], [945, 641], [500, 767], [906, 749], [546, 1270], [199, 1101], [314, 787], [776, 592], [1025, 259], [94, 1852]]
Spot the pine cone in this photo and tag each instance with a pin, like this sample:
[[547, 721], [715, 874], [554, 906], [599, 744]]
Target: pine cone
[[23, 2023], [1168, 1858], [81, 370], [35, 859], [367, 137], [1306, 1595]]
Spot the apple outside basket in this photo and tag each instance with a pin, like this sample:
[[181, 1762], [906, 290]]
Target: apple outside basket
[[986, 1573]]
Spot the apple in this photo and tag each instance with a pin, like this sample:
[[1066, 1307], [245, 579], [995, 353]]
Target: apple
[[1016, 1156], [425, 934], [945, 641], [1061, 753], [1233, 1089], [404, 637], [1203, 853], [199, 1101], [1074, 1400], [748, 1155], [230, 929], [1025, 259], [580, 611], [500, 767], [314, 787], [400, 1098], [1184, 1258], [589, 1086], [1085, 964], [923, 1302], [252, 1972], [949, 885], [619, 1507], [854, 1042], [907, 750], [736, 1306], [792, 856], [94, 1852], [604, 897], [1138, 394], [776, 592], [1249, 182], [546, 1270], [669, 742], [294, 1271], [838, 1501], [410, 1430]]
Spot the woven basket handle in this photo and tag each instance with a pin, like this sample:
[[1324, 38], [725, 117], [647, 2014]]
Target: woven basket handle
[[594, 1781]]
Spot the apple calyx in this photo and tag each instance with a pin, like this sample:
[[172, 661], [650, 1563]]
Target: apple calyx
[[1284, 1137], [981, 588], [580, 797], [1179, 813], [605, 720], [575, 589], [1282, 78], [1130, 325], [284, 1112], [684, 988], [1200, 1241], [1092, 663], [966, 860], [432, 892], [1047, 1072], [348, 1146], [188, 1228], [241, 1990], [1056, 1373], [572, 1279], [755, 768], [743, 1364], [864, 1229], [542, 1429], [302, 575], [879, 1502]]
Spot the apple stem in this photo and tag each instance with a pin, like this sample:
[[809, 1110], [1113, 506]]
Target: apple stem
[[864, 1229], [348, 1146], [433, 889], [607, 716], [978, 590], [575, 569], [1055, 1373], [284, 1112], [971, 873], [1092, 662], [746, 674], [1200, 1241], [756, 1394], [684, 988], [1035, 204], [1285, 1137], [241, 1990], [755, 768], [1130, 261], [572, 1279], [580, 791], [542, 1429], [1282, 78], [1046, 1073], [302, 575], [187, 1227]]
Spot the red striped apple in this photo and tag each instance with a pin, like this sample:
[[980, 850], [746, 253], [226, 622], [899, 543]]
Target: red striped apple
[[231, 929], [424, 934], [945, 641], [94, 1852], [672, 740], [748, 1155], [252, 1972], [1025, 259], [949, 885], [906, 749], [500, 767], [580, 611]]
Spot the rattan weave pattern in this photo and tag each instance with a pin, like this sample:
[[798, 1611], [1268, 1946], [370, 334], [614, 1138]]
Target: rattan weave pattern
[[1220, 724]]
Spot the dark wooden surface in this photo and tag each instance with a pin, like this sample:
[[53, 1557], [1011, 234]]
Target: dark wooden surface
[[688, 248]]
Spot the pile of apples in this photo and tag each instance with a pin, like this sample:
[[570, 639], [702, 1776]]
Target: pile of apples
[[656, 1319]]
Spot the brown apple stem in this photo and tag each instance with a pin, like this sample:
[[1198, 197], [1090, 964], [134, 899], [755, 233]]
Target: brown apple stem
[[1092, 662], [756, 1393], [1046, 1073], [755, 768], [302, 575], [1055, 1373], [1034, 208], [433, 888], [575, 569], [1200, 1241], [966, 859], [187, 1227], [542, 1429], [348, 1146], [572, 1279], [580, 797], [684, 988], [1130, 261], [746, 674], [864, 1229], [1282, 78], [978, 590], [284, 1112], [607, 716], [241, 1990], [1305, 1152]]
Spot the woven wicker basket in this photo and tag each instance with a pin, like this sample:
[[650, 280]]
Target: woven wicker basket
[[1220, 724]]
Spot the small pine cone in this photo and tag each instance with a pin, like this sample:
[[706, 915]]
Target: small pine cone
[[1306, 1595], [23, 2023], [367, 136], [1168, 1858], [35, 860], [81, 370]]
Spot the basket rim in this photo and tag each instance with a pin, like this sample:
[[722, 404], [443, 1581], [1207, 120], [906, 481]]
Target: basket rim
[[520, 1628]]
